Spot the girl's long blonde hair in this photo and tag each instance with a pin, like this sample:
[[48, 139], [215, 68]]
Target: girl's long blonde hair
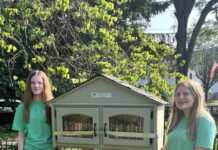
[[197, 109], [28, 95]]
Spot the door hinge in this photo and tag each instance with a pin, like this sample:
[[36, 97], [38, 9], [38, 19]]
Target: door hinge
[[152, 114], [151, 141], [55, 113]]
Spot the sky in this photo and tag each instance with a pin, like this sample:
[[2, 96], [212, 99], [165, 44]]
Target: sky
[[164, 22]]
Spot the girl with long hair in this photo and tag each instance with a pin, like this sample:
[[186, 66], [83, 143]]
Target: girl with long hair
[[33, 117], [191, 127]]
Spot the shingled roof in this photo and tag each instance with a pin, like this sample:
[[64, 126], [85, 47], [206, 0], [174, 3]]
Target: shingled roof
[[135, 89]]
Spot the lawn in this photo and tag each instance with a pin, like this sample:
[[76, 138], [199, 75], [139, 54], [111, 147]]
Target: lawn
[[213, 102], [216, 146], [12, 135], [8, 135]]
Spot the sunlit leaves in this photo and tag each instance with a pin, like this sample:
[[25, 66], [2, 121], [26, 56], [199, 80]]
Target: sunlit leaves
[[50, 40], [11, 11], [63, 4], [39, 45], [27, 66], [38, 59], [27, 13], [105, 67], [2, 43], [51, 71], [106, 35], [2, 19], [74, 40], [21, 85], [37, 32], [11, 48], [63, 71], [43, 14]]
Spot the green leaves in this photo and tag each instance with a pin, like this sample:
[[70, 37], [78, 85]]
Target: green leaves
[[2, 19], [74, 40], [11, 48], [11, 11], [63, 5], [21, 85], [39, 45], [38, 59], [63, 71], [51, 71]]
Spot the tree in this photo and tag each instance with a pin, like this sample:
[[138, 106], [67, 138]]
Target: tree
[[134, 11], [203, 62], [184, 46], [205, 55], [73, 41]]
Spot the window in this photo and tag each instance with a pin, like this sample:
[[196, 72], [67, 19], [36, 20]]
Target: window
[[126, 123], [78, 122]]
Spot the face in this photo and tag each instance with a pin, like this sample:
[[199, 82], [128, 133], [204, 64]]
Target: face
[[37, 85], [184, 99]]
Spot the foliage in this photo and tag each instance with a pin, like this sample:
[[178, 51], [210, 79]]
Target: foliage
[[207, 36], [205, 55], [73, 41], [134, 11], [202, 63], [186, 46]]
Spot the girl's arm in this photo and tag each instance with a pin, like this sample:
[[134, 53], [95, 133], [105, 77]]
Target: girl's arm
[[21, 138], [164, 147]]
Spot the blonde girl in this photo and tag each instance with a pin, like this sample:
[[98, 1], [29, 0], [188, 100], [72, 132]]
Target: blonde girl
[[191, 127]]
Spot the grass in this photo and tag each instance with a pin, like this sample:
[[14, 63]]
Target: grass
[[11, 135], [8, 135], [213, 102], [216, 145]]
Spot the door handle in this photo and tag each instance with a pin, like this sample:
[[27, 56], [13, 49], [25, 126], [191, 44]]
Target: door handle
[[105, 129], [95, 129]]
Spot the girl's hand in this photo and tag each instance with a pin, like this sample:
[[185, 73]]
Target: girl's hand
[[20, 141]]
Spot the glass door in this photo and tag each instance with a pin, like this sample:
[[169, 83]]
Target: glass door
[[126, 126], [77, 125]]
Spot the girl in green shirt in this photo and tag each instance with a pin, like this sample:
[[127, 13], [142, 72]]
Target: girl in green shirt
[[32, 118], [191, 127]]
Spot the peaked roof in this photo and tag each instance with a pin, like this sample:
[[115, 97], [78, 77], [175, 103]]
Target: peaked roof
[[135, 89], [122, 83]]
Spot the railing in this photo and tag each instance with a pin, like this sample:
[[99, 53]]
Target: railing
[[12, 145], [8, 145]]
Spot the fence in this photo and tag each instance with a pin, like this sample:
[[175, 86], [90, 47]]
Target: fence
[[12, 145], [8, 145]]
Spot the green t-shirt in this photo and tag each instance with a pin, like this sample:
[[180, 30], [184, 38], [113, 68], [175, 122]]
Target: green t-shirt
[[37, 131], [206, 131]]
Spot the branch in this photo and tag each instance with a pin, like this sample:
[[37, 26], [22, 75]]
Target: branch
[[41, 64], [199, 24], [187, 6], [55, 49], [22, 48], [216, 14], [53, 44], [65, 60]]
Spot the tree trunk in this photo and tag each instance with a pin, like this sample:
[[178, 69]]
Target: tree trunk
[[184, 47], [206, 96], [183, 9]]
